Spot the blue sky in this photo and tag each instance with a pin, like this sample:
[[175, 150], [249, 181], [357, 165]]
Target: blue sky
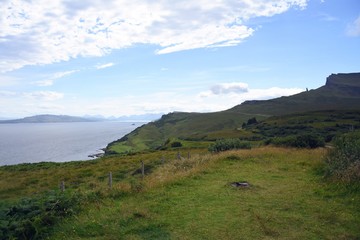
[[136, 57]]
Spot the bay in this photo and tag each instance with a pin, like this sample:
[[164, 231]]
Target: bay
[[57, 142]]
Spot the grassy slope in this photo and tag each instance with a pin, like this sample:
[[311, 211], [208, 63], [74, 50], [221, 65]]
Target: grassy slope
[[341, 92], [185, 126], [192, 199]]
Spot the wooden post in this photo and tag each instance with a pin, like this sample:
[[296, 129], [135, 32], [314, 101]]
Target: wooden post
[[178, 156], [62, 186], [188, 155], [142, 169], [110, 180], [162, 160]]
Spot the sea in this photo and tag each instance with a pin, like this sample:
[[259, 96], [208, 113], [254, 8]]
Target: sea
[[58, 142]]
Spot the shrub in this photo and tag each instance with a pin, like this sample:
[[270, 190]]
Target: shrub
[[176, 144], [31, 218], [300, 141], [343, 160], [228, 144]]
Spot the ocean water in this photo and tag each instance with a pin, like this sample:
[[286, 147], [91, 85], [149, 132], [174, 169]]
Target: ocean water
[[57, 142]]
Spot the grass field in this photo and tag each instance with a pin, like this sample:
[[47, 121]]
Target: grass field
[[193, 199]]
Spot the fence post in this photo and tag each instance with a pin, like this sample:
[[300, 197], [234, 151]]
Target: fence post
[[178, 156], [110, 180], [188, 155], [142, 169], [62, 186], [162, 160]]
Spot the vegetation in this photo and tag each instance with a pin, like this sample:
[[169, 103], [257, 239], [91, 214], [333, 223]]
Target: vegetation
[[32, 218], [176, 144], [228, 144], [196, 127], [191, 198], [184, 191], [343, 160], [310, 129], [299, 141]]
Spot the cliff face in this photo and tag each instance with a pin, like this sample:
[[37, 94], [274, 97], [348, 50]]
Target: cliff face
[[346, 83]]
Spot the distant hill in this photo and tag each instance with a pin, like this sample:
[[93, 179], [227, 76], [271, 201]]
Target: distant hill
[[48, 119], [341, 92]]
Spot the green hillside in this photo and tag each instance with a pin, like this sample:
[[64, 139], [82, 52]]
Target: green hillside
[[341, 92]]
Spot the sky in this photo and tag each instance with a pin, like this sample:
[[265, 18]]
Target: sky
[[132, 57]]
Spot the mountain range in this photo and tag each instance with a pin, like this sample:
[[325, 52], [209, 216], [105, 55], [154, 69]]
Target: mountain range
[[48, 118]]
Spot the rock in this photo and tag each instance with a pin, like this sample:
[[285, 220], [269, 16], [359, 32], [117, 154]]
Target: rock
[[96, 155], [240, 184]]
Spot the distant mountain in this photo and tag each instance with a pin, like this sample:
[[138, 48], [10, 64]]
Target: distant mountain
[[341, 92], [48, 119]]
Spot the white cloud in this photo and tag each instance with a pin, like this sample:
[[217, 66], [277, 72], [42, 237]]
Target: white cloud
[[227, 95], [30, 103], [50, 81], [44, 32], [44, 95], [63, 74], [44, 83], [101, 66], [353, 29], [226, 88], [38, 95]]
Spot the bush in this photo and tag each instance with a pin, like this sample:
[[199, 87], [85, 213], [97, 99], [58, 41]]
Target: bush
[[343, 161], [228, 144], [176, 144], [300, 141], [31, 218], [252, 121]]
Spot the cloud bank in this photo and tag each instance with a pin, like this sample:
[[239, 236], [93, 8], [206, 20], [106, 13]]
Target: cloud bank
[[44, 32], [225, 96]]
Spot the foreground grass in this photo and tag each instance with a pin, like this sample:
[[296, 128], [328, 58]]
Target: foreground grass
[[192, 199]]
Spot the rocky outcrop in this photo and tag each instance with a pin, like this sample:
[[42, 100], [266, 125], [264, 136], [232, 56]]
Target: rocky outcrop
[[345, 83]]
